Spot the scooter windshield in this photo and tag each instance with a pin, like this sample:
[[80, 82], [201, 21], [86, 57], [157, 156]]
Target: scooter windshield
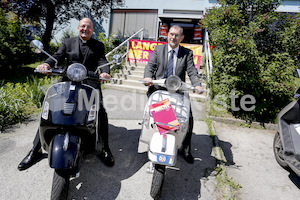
[[69, 104]]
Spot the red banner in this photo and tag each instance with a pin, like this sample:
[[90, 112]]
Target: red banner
[[198, 33], [163, 31], [140, 51]]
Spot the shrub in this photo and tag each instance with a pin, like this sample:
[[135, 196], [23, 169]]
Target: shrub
[[14, 49], [254, 54], [11, 105], [18, 101], [110, 43]]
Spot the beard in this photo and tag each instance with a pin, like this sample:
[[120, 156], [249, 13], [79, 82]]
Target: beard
[[173, 43]]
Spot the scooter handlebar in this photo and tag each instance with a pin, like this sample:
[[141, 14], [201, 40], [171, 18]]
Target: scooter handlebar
[[195, 89], [42, 71], [94, 76], [185, 86], [155, 82], [53, 71]]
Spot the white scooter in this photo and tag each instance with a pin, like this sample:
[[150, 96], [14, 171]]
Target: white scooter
[[286, 144], [160, 138]]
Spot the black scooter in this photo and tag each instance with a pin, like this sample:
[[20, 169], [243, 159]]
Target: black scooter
[[68, 121], [286, 143]]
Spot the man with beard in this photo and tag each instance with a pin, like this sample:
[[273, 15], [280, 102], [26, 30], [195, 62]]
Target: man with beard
[[173, 59]]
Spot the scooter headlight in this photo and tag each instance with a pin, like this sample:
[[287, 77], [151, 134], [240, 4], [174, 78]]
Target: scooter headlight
[[173, 83], [92, 113], [76, 72], [45, 110]]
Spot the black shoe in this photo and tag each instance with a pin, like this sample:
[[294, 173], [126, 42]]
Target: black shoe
[[106, 157], [32, 157], [187, 155]]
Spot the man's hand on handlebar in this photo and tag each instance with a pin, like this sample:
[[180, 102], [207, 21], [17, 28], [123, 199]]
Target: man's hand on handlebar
[[199, 90], [105, 76], [44, 66], [148, 81]]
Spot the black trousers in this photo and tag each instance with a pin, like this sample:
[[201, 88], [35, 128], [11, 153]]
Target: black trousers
[[102, 120], [186, 144]]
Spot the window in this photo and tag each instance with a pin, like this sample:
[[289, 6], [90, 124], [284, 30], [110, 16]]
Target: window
[[125, 23]]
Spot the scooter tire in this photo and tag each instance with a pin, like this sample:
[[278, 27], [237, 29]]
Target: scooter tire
[[60, 185], [157, 181], [278, 151]]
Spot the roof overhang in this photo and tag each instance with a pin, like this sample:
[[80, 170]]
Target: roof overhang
[[177, 17]]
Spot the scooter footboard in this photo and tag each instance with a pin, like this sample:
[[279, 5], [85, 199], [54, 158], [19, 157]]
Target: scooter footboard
[[163, 149], [291, 142], [64, 158]]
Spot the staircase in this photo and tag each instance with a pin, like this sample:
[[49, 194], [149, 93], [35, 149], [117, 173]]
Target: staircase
[[128, 79]]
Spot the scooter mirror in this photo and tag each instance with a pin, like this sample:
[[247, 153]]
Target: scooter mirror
[[36, 46], [296, 73], [117, 58], [297, 93]]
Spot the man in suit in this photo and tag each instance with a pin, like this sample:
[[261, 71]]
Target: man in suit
[[173, 59], [89, 52]]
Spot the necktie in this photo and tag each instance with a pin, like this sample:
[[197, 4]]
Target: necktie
[[169, 68]]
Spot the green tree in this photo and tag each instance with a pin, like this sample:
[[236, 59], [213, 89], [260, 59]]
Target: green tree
[[254, 54], [54, 14], [14, 49]]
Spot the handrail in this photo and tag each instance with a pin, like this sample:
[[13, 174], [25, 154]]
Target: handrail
[[209, 66], [124, 43]]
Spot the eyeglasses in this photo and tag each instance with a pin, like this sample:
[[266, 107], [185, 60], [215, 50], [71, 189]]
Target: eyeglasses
[[175, 35], [85, 26]]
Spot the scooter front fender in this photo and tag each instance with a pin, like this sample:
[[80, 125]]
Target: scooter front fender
[[163, 149], [60, 158]]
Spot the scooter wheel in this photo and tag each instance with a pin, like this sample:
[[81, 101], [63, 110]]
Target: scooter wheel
[[60, 185], [157, 181], [278, 151]]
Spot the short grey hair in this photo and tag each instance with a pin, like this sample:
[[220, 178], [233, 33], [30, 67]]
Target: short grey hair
[[178, 27]]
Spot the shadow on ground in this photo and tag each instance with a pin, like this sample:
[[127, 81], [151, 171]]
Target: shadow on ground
[[97, 181]]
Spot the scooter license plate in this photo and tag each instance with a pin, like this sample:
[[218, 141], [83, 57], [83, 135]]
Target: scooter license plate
[[163, 158]]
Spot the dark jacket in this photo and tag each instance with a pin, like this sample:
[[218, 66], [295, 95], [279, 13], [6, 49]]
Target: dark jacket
[[155, 69], [70, 50]]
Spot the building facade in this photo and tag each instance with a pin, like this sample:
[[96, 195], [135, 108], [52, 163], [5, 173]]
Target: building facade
[[161, 15], [157, 16]]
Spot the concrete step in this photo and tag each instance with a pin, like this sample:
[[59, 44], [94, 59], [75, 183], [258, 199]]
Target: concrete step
[[128, 79], [139, 88], [127, 76], [136, 81], [131, 79], [139, 68], [135, 65], [133, 72], [135, 75], [129, 82]]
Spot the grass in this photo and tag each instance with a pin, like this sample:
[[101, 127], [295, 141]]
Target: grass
[[21, 94], [217, 110], [226, 187], [225, 184], [19, 74]]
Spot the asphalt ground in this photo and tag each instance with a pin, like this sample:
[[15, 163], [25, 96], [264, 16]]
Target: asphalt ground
[[247, 151], [127, 179], [250, 162]]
